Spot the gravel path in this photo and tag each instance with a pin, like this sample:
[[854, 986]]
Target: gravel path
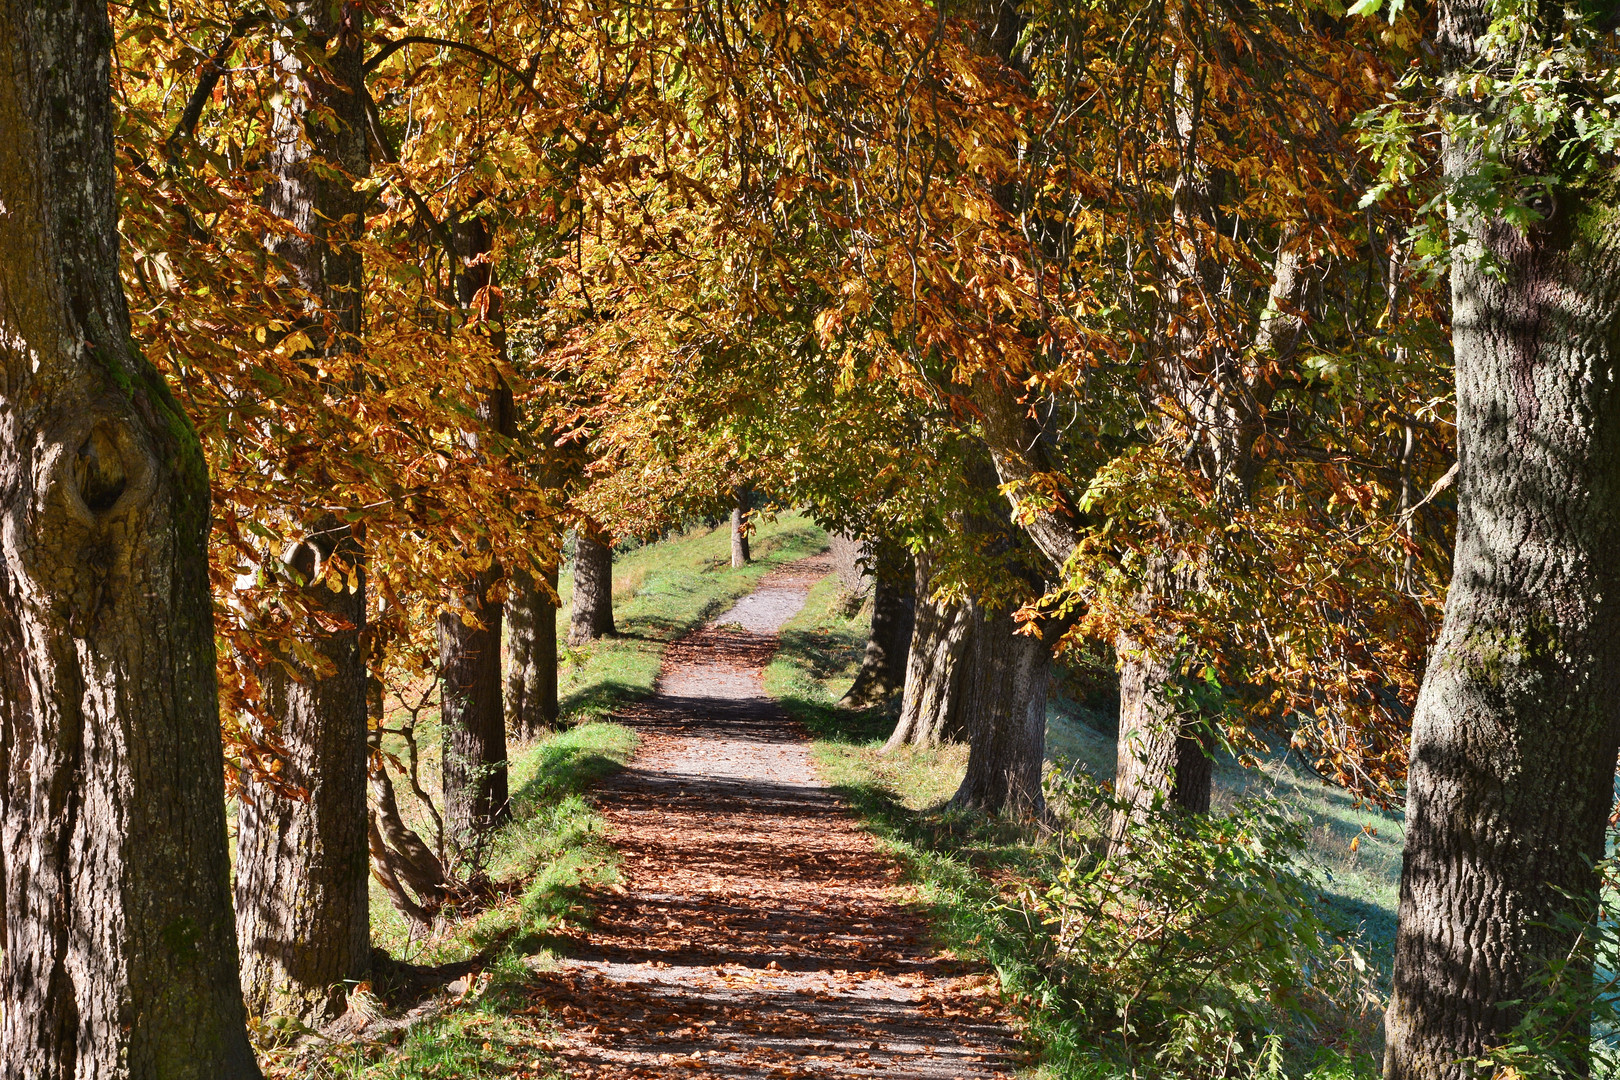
[[760, 933]]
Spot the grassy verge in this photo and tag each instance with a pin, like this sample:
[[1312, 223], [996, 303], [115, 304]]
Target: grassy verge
[[554, 853], [662, 591], [963, 867], [547, 860]]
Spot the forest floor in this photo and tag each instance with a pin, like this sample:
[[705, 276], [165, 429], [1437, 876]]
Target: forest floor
[[755, 930]]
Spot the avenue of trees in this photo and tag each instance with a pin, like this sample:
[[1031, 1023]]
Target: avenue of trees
[[1264, 347]]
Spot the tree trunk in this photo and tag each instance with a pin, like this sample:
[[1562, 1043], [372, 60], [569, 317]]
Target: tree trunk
[[119, 950], [929, 707], [472, 711], [883, 665], [593, 586], [1515, 731], [302, 913], [301, 864], [474, 722], [399, 857], [739, 529], [531, 641], [1004, 705], [1160, 753]]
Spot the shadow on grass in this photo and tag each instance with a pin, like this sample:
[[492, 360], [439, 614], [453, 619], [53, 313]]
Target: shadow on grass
[[829, 723], [598, 699], [561, 770], [1348, 914]]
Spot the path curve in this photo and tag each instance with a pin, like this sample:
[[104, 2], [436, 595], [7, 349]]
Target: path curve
[[760, 932]]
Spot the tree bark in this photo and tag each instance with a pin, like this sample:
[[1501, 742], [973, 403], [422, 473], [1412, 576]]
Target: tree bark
[[884, 663], [1160, 753], [930, 705], [1515, 731], [474, 722], [1004, 705], [472, 711], [119, 949], [739, 529], [593, 586], [302, 913], [531, 641], [398, 854], [301, 864]]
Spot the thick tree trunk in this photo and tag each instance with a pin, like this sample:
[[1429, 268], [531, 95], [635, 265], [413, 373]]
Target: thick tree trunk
[[1516, 726], [474, 721], [1004, 705], [883, 665], [472, 711], [593, 586], [930, 711], [531, 642], [301, 863], [302, 914], [1160, 753], [739, 529], [119, 950]]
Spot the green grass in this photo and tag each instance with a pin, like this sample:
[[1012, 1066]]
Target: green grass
[[549, 858], [961, 864], [555, 852], [662, 591]]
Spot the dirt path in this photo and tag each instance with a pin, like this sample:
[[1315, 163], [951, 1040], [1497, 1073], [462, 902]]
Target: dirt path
[[760, 934]]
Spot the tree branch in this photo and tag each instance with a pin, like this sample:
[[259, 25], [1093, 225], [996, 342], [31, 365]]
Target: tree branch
[[418, 39], [212, 70]]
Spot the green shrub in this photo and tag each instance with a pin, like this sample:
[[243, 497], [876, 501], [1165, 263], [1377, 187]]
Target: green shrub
[[1197, 949], [1570, 1027]]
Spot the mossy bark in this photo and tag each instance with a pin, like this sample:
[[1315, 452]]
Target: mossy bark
[[1515, 732], [119, 949], [1004, 708]]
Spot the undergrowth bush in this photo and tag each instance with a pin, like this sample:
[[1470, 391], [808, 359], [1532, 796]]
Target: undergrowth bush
[[1197, 949], [1570, 1025]]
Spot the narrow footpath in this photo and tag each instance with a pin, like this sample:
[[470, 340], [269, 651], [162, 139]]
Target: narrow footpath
[[759, 933]]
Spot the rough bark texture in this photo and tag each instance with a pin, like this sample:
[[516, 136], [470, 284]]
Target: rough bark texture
[[531, 643], [930, 705], [408, 856], [593, 586], [472, 710], [119, 951], [846, 552], [302, 914], [1161, 751], [474, 721], [739, 530], [884, 663], [1004, 705], [301, 902], [1515, 731]]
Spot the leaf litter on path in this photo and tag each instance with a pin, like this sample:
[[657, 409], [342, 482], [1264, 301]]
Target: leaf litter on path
[[759, 932]]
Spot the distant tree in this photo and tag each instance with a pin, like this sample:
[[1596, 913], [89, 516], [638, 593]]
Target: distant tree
[[740, 526], [120, 954], [593, 585]]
